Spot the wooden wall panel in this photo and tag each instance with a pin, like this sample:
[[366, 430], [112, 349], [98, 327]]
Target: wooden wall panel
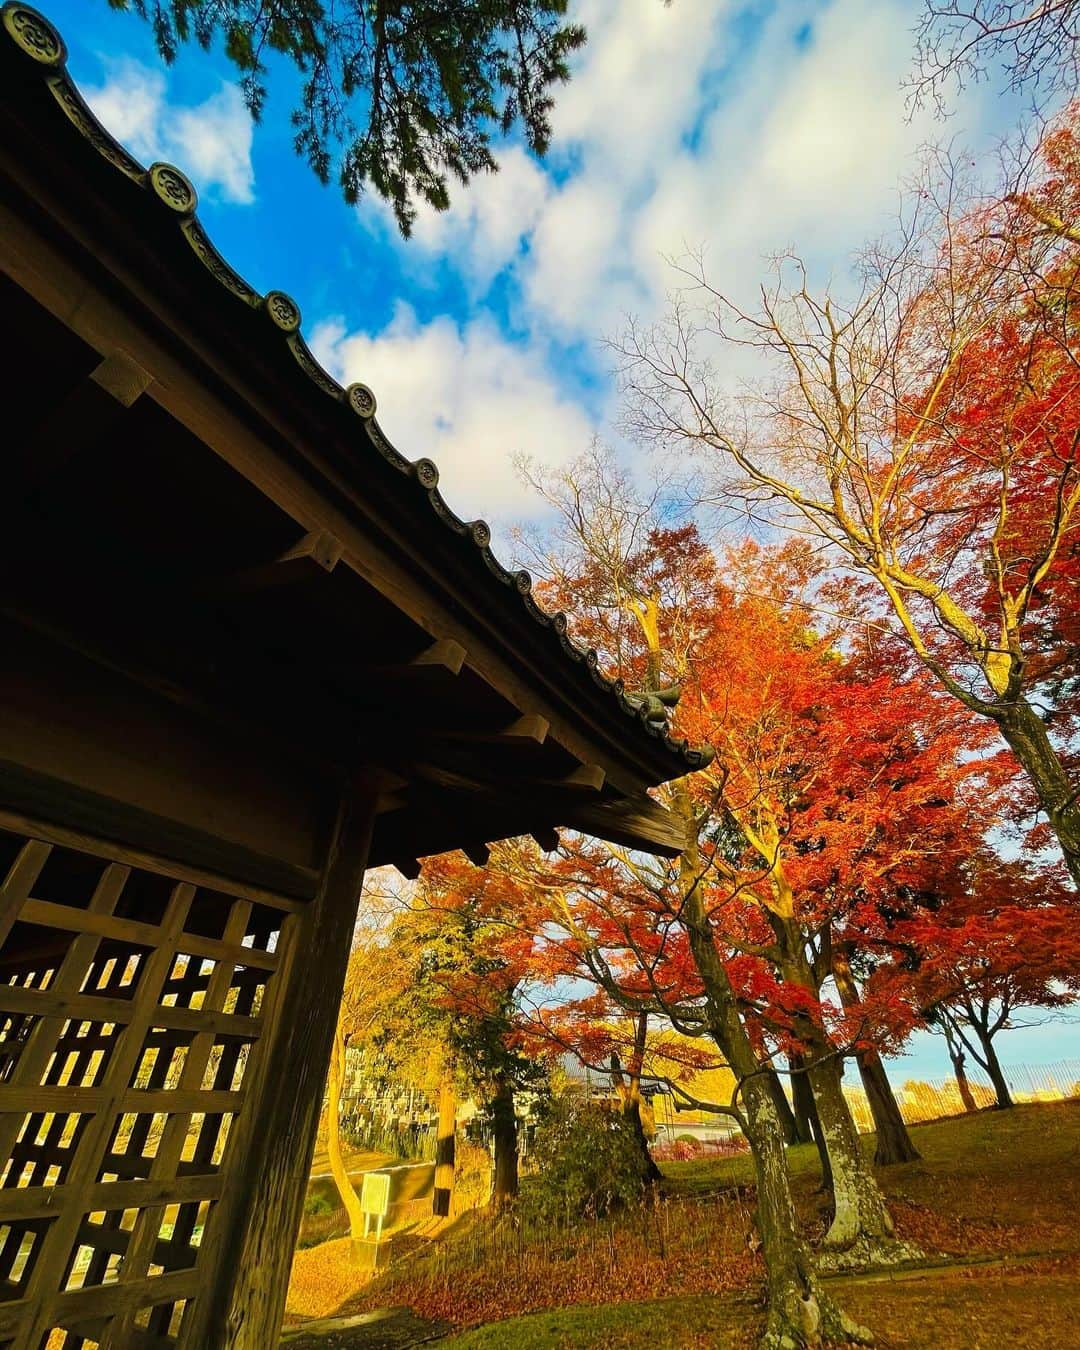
[[64, 715], [131, 1012]]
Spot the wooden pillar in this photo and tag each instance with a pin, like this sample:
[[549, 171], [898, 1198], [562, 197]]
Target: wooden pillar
[[444, 1149], [244, 1267]]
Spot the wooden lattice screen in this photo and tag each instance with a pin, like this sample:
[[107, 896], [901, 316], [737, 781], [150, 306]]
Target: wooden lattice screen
[[132, 996]]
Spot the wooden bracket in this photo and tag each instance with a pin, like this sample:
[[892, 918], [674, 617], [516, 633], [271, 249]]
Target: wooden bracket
[[311, 556], [432, 666], [122, 378], [531, 729], [86, 414], [547, 840], [636, 822], [478, 854]]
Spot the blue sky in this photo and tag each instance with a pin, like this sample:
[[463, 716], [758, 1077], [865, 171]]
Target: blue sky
[[746, 128]]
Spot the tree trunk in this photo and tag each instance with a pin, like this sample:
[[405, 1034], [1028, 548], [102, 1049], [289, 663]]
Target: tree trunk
[[862, 1228], [628, 1086], [444, 1149], [802, 1100], [957, 1057], [632, 1114], [806, 1107], [800, 1312], [1025, 732], [504, 1182], [894, 1143], [338, 1170], [789, 1120], [992, 1065]]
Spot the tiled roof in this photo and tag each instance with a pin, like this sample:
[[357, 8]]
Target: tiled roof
[[42, 45]]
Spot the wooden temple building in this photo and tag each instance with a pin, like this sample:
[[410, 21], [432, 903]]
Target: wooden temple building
[[246, 653]]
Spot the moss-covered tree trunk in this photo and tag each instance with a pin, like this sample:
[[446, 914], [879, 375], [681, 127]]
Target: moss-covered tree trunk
[[862, 1230], [628, 1086], [1025, 732], [806, 1109], [795, 1130], [801, 1313]]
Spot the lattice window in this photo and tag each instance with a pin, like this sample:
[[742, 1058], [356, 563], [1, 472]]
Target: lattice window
[[131, 994]]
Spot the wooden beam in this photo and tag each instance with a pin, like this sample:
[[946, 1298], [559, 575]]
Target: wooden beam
[[439, 820], [478, 854], [296, 473], [408, 867], [433, 668], [547, 840], [314, 555], [635, 822], [585, 780], [530, 729], [86, 415]]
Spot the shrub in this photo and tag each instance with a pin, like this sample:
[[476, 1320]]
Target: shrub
[[316, 1204], [691, 1140], [472, 1176], [588, 1162], [679, 1151]]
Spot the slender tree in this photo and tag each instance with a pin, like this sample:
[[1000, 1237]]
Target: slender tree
[[1033, 44], [1003, 945], [926, 433]]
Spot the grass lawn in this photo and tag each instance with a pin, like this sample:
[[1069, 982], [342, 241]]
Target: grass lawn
[[1023, 1310], [996, 1184], [993, 1182]]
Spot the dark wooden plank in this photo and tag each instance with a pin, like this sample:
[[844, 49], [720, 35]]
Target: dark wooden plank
[[432, 668], [107, 1300], [43, 1202], [529, 729], [16, 998], [637, 822], [12, 1315], [53, 809]]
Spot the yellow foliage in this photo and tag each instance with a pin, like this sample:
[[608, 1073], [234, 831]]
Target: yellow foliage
[[323, 1277]]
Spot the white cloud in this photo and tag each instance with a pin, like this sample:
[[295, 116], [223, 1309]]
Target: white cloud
[[464, 397], [637, 89], [214, 141], [210, 142], [485, 225], [703, 123], [693, 123], [573, 247]]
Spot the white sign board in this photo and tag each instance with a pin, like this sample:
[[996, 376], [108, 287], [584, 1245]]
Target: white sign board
[[375, 1194]]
